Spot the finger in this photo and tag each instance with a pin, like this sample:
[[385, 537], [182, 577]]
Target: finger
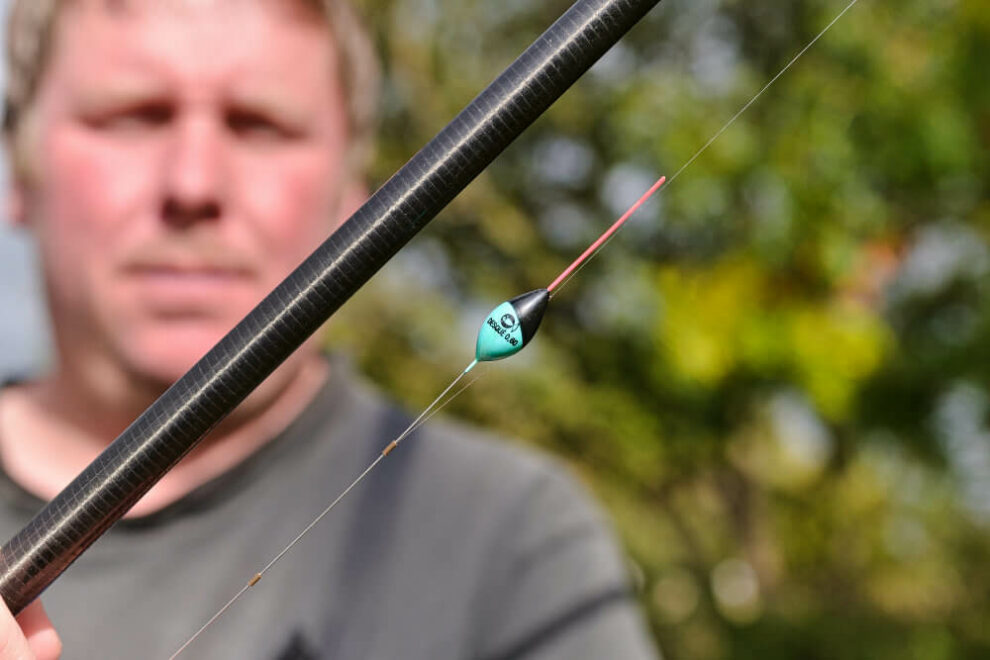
[[41, 637], [13, 643]]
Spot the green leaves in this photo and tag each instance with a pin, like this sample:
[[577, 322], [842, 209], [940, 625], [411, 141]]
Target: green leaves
[[772, 376]]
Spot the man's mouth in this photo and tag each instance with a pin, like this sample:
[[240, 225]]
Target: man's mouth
[[188, 272], [189, 286]]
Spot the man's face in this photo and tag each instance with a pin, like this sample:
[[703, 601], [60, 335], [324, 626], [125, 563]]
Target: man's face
[[188, 156]]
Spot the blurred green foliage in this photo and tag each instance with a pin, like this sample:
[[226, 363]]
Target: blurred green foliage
[[777, 378]]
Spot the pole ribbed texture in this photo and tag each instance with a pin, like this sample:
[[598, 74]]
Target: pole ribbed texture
[[197, 402]]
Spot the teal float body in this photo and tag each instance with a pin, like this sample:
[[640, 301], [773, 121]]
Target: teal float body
[[510, 326]]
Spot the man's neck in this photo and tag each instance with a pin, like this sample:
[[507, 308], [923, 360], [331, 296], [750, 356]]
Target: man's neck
[[44, 445]]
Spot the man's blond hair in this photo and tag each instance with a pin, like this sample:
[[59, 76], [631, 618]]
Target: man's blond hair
[[31, 29]]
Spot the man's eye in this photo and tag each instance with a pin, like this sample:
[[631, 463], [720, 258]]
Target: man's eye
[[255, 125], [141, 117]]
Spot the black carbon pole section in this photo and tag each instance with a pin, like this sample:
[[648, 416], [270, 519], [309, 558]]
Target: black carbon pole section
[[197, 402]]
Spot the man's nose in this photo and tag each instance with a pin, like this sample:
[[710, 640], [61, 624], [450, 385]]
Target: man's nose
[[194, 176]]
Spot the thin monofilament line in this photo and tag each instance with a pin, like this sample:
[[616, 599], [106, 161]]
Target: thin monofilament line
[[760, 93], [423, 417], [556, 285], [718, 134]]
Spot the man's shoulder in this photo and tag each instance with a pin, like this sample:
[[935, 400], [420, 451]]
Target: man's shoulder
[[485, 457], [513, 523]]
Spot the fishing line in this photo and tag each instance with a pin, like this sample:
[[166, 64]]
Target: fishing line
[[435, 407], [506, 330], [720, 131]]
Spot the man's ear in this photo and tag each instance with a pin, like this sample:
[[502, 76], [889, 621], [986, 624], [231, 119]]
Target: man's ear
[[16, 195], [15, 203]]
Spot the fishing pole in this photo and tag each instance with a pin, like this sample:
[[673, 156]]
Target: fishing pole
[[175, 423]]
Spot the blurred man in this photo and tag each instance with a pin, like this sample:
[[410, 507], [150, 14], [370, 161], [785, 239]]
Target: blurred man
[[174, 161]]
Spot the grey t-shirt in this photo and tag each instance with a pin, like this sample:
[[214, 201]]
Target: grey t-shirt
[[456, 547]]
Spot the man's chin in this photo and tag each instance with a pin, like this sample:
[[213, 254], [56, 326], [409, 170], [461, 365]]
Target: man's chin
[[164, 355], [155, 359]]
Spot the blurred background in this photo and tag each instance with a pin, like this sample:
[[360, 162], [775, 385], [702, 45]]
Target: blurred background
[[777, 377]]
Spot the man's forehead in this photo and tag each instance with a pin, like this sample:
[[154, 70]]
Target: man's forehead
[[236, 45], [307, 9], [206, 26]]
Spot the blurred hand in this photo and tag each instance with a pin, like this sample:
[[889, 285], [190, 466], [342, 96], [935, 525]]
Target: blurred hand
[[28, 637]]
